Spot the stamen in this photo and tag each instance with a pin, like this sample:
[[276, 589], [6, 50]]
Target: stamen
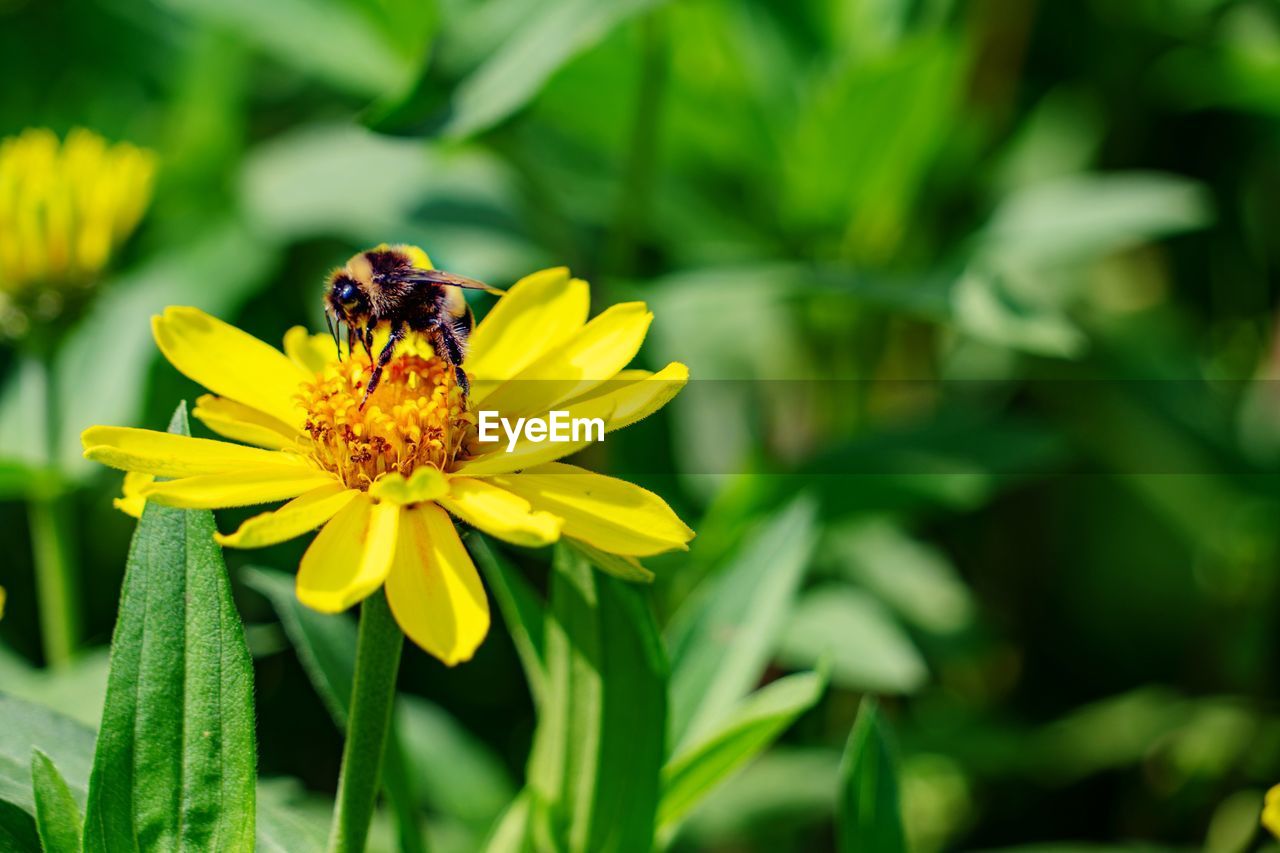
[[416, 417]]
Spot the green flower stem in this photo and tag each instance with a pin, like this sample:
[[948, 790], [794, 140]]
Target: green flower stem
[[55, 574], [372, 696], [56, 578]]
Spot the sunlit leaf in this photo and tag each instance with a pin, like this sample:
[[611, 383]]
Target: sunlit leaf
[[749, 729], [516, 71], [522, 611], [598, 748], [57, 813], [723, 640], [175, 762]]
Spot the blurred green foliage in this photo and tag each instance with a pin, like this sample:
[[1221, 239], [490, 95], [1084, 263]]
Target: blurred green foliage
[[991, 289]]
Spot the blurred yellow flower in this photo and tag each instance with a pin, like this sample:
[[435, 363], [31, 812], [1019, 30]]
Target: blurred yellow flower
[[64, 208], [1271, 811], [384, 481]]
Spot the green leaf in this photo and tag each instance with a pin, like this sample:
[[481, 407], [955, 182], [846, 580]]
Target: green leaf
[[598, 748], [754, 724], [280, 828], [511, 833], [868, 813], [25, 727], [16, 478], [17, 830], [340, 181], [785, 785], [77, 687], [524, 614], [57, 815], [338, 42], [1082, 217], [917, 580], [325, 644], [453, 772], [174, 766], [867, 649], [517, 70], [623, 568], [723, 640]]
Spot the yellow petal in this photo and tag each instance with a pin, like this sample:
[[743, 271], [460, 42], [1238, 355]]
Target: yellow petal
[[230, 363], [424, 484], [549, 302], [350, 557], [433, 588], [167, 455], [310, 352], [237, 488], [500, 513], [591, 356], [242, 423], [305, 512], [131, 502], [617, 404], [611, 514], [526, 453], [628, 398]]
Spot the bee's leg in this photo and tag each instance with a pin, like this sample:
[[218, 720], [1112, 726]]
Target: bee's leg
[[367, 340], [447, 342], [397, 335], [337, 342]]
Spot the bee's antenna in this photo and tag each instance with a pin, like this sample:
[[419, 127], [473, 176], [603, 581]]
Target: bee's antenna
[[337, 344]]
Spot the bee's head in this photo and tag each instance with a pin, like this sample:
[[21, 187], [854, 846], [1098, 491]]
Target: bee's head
[[346, 299]]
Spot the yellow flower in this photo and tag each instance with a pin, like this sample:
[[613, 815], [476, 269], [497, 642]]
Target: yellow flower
[[384, 482], [1271, 811], [64, 208]]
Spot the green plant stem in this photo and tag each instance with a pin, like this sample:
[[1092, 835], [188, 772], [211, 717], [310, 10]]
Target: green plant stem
[[397, 785], [56, 577], [372, 696]]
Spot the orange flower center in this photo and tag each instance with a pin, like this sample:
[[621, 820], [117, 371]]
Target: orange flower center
[[415, 417]]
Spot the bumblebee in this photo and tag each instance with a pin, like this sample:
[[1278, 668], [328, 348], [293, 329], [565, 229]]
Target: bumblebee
[[396, 285]]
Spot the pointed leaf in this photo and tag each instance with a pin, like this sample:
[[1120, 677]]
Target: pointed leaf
[[624, 568], [868, 813], [174, 767], [724, 639], [517, 70], [57, 815], [523, 613], [598, 748], [754, 724]]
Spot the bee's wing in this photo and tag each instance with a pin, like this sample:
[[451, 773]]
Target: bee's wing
[[448, 278]]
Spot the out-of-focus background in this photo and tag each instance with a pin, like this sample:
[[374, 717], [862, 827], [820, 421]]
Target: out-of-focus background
[[980, 304]]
